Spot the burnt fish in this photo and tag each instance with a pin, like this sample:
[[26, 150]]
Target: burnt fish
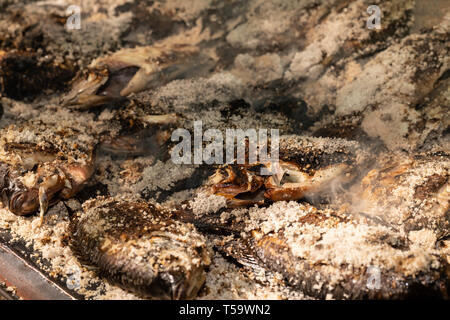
[[140, 247]]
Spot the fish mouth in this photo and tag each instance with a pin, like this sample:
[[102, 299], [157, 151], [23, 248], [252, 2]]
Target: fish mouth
[[176, 286], [85, 86], [24, 202], [132, 71]]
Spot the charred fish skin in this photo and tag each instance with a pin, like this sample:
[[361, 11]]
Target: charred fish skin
[[53, 156], [132, 70], [307, 167], [311, 167], [330, 255], [407, 193], [240, 184], [139, 247], [48, 184], [43, 162], [361, 284]]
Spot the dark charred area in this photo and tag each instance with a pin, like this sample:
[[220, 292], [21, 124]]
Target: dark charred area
[[24, 77], [311, 160]]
